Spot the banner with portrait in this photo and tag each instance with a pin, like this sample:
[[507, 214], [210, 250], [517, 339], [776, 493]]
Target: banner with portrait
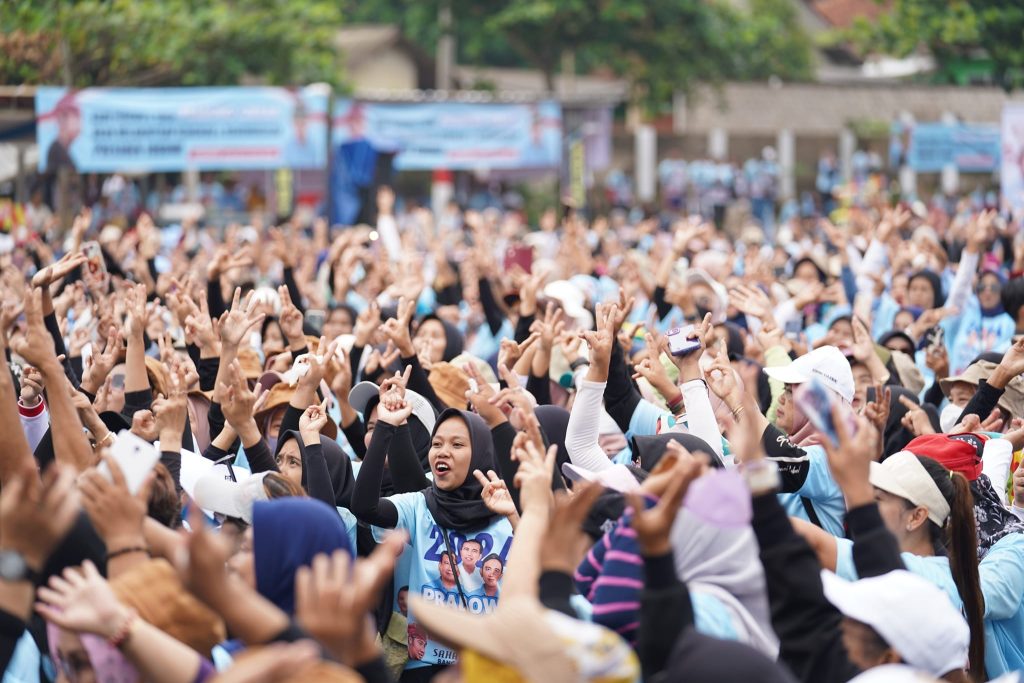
[[452, 135], [173, 129]]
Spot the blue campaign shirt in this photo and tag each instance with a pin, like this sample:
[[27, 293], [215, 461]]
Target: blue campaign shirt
[[1002, 583], [419, 569], [822, 491], [977, 334]]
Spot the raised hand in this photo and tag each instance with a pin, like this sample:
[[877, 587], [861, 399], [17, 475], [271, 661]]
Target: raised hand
[[509, 352], [481, 398], [877, 411], [915, 420], [397, 329], [170, 412], [600, 342], [528, 293], [32, 386], [290, 319], [937, 359], [366, 325], [83, 602], [135, 304], [35, 516], [653, 526], [9, 313], [751, 301], [850, 459], [535, 472], [200, 328], [35, 345], [565, 543], [282, 250], [721, 379], [116, 514], [495, 493], [980, 230], [237, 399], [239, 320], [313, 420], [863, 344], [334, 597], [1012, 364], [341, 381], [59, 270], [689, 365], [549, 326], [393, 409], [770, 336], [317, 363], [223, 262], [513, 397]]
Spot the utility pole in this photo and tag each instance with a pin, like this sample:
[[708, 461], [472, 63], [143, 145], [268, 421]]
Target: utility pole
[[445, 47]]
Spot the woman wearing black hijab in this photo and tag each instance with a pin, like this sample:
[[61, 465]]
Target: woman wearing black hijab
[[322, 469], [440, 564]]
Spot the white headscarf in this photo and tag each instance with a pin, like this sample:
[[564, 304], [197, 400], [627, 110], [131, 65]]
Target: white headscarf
[[724, 563]]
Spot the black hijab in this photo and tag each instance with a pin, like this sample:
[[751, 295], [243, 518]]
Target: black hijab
[[938, 297], [648, 450], [554, 420], [463, 509], [338, 465], [453, 343]]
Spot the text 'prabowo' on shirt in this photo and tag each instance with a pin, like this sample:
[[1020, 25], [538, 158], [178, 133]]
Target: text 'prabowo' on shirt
[[426, 569]]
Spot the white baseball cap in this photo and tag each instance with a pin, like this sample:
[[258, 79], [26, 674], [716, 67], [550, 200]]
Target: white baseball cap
[[913, 615], [421, 408], [827, 363], [216, 493], [903, 475]]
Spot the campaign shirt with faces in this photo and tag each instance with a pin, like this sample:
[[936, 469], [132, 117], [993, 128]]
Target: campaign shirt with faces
[[427, 570]]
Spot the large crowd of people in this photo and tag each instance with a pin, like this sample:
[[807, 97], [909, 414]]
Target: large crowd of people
[[461, 447]]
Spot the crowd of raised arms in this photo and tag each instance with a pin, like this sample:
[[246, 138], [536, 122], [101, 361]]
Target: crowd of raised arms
[[458, 447]]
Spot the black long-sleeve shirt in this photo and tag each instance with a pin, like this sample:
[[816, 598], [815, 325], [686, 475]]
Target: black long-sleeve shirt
[[665, 612], [492, 312], [367, 505], [621, 397], [984, 401], [810, 641]]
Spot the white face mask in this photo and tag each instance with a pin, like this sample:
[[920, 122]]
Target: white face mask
[[949, 416]]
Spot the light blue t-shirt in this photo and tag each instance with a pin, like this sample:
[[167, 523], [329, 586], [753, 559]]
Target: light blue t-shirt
[[421, 568], [711, 617], [1002, 585], [822, 491], [24, 664]]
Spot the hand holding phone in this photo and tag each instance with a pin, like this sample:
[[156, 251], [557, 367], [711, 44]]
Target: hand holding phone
[[135, 456], [680, 342], [815, 401]]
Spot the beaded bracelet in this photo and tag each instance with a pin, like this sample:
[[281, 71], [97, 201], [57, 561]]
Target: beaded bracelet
[[121, 637]]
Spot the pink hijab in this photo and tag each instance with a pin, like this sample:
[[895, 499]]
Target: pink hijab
[[107, 662]]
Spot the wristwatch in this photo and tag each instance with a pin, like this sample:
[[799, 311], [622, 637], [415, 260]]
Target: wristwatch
[[14, 568], [762, 477]]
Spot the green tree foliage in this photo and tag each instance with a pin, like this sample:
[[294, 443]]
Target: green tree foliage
[[952, 31], [661, 45], [168, 42]]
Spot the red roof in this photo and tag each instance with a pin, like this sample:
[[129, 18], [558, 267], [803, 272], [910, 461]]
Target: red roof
[[842, 13]]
